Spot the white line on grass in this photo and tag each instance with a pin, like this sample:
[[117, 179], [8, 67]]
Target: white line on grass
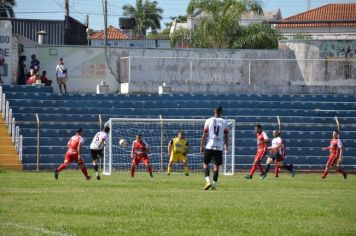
[[34, 228]]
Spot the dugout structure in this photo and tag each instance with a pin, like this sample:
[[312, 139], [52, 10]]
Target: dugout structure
[[157, 133]]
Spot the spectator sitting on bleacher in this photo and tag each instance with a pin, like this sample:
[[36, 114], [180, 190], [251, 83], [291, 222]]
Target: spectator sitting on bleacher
[[44, 79], [32, 78]]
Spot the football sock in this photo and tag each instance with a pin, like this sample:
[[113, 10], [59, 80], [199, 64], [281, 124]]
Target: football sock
[[84, 171], [132, 171], [340, 170], [214, 184], [96, 169], [267, 168], [185, 169], [61, 167], [206, 172], [253, 168], [276, 169], [287, 167], [207, 178], [149, 169], [215, 176], [260, 167], [169, 169]]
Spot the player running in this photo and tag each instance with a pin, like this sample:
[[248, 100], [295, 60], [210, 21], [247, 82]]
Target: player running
[[277, 155], [262, 140], [216, 131], [139, 152], [178, 148], [74, 154], [335, 157], [96, 148]]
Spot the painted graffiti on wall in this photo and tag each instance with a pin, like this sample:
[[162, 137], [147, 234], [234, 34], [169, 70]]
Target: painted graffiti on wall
[[93, 70], [338, 49]]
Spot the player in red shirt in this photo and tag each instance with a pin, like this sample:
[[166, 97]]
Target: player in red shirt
[[139, 152], [262, 140], [74, 154], [335, 157]]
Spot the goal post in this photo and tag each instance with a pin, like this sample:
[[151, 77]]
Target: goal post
[[158, 133]]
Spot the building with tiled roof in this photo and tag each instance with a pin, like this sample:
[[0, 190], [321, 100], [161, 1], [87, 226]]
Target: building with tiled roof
[[114, 35], [118, 38], [331, 21]]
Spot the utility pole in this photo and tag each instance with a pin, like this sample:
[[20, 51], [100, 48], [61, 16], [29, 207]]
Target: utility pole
[[66, 23], [105, 22], [66, 6]]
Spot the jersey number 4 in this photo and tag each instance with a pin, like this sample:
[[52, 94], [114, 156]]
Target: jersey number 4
[[216, 130]]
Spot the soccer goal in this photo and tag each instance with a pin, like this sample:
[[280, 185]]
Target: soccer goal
[[157, 133]]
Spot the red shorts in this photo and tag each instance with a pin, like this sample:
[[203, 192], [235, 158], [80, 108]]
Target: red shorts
[[137, 160], [69, 157], [332, 161], [260, 154]]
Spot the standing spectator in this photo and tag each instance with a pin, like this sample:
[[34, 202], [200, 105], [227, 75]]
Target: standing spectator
[[35, 63], [61, 75], [22, 71], [44, 79], [2, 62]]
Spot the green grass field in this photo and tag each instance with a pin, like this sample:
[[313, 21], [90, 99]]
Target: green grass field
[[37, 204]]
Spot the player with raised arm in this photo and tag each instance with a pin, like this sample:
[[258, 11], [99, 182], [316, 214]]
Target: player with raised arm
[[216, 132], [96, 148], [335, 157], [262, 140], [139, 152], [178, 148], [277, 155], [74, 154]]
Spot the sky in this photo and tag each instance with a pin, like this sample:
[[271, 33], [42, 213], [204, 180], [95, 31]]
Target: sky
[[54, 9]]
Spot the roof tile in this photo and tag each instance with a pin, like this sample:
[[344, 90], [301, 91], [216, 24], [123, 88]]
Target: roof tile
[[327, 12], [113, 33]]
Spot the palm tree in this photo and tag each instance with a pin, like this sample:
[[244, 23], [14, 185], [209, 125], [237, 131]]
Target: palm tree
[[147, 15], [219, 27], [6, 8]]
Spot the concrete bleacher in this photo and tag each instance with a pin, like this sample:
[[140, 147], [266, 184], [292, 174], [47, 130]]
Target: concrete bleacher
[[307, 120]]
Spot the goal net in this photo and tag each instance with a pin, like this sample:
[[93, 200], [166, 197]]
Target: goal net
[[157, 133]]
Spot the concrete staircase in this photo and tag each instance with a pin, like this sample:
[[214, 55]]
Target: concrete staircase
[[9, 159]]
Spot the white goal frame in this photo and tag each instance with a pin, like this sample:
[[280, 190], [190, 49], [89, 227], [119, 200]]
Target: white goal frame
[[227, 168]]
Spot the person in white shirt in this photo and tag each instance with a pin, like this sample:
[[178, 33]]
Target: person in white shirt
[[216, 133], [277, 155], [61, 75], [96, 148]]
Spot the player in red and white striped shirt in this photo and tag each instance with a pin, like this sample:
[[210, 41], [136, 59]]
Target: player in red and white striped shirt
[[262, 141], [335, 157], [74, 154]]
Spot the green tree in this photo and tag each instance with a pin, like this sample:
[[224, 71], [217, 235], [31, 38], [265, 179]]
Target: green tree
[[147, 15], [220, 28], [257, 36], [6, 8]]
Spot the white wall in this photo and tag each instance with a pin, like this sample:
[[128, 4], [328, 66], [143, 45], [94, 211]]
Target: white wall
[[300, 67], [6, 51]]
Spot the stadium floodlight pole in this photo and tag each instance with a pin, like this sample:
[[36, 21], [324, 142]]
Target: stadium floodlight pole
[[38, 142]]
